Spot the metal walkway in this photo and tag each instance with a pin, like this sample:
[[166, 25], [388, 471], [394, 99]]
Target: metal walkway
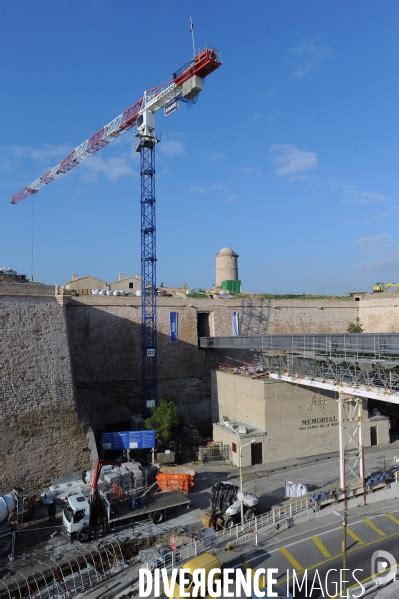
[[363, 365]]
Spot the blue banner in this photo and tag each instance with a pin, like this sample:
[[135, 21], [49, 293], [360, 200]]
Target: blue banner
[[128, 440], [173, 326], [235, 324]]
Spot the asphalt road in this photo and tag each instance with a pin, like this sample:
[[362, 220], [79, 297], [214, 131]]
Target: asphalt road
[[314, 549]]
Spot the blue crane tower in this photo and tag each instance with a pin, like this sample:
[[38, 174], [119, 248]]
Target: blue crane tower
[[185, 85]]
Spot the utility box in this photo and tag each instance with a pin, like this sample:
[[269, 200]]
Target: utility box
[[165, 458], [192, 87]]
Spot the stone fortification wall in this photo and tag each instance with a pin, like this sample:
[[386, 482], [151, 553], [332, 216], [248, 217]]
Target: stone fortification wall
[[63, 365], [11, 288], [105, 339], [40, 435], [270, 316], [379, 314]]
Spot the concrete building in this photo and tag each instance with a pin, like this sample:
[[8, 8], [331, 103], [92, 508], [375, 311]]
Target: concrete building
[[285, 420], [226, 266], [126, 283]]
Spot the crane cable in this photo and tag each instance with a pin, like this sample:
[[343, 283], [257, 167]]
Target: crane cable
[[32, 238]]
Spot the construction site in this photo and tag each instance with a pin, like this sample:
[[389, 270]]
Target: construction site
[[145, 425]]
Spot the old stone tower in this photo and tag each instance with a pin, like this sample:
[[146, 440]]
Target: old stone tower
[[226, 266]]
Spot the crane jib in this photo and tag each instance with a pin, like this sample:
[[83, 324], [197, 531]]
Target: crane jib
[[204, 63]]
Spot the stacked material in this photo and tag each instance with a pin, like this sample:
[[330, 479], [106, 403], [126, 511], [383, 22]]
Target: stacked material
[[117, 480]]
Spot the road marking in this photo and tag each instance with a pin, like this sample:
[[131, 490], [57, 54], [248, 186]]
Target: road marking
[[374, 527], [354, 536], [294, 563], [322, 548], [325, 561], [321, 534], [393, 518], [364, 581]]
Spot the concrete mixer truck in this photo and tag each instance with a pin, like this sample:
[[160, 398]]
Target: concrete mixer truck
[[15, 508]]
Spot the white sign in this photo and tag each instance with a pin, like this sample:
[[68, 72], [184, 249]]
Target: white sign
[[170, 108], [150, 353]]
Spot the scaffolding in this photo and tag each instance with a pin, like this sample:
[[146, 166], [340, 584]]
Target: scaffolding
[[365, 365]]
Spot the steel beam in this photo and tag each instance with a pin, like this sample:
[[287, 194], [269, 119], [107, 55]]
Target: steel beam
[[350, 411], [369, 393]]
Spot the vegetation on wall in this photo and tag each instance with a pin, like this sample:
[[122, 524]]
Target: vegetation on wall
[[355, 327]]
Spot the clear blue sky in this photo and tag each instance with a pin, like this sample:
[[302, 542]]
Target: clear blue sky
[[289, 156]]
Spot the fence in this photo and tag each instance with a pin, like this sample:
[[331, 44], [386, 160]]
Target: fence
[[265, 526], [66, 576], [251, 531], [214, 453]]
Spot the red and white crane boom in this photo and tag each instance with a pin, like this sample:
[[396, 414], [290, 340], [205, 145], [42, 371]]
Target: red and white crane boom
[[185, 84]]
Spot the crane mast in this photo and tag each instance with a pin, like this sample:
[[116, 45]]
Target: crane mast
[[185, 85], [146, 146]]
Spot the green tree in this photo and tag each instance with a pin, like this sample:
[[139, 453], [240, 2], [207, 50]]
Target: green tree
[[355, 327], [164, 419]]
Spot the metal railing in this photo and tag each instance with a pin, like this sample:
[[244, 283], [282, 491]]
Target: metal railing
[[377, 346], [253, 530], [366, 361], [381, 375]]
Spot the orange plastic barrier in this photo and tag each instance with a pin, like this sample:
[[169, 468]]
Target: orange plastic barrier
[[175, 481]]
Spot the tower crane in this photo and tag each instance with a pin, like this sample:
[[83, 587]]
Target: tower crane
[[185, 85]]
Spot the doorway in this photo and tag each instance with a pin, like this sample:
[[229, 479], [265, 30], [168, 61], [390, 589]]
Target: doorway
[[256, 454], [203, 324]]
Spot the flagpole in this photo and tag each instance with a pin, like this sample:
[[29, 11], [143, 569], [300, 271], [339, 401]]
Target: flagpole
[[192, 35]]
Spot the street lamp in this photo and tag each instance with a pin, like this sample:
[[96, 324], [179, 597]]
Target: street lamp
[[240, 495]]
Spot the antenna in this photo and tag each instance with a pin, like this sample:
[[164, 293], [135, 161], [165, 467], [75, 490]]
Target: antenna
[[192, 35]]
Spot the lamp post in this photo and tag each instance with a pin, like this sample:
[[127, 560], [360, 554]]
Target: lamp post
[[240, 447], [241, 493]]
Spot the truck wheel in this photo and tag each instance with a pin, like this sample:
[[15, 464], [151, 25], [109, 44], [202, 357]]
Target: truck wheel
[[158, 517], [249, 514], [229, 523], [5, 546], [86, 534]]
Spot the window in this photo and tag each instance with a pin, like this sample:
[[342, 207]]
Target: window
[[79, 515], [131, 285], [68, 512], [234, 447], [373, 435]]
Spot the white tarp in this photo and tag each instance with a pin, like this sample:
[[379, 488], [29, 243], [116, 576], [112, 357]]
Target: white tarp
[[293, 489]]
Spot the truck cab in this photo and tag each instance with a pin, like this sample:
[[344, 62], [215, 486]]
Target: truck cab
[[76, 515]]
